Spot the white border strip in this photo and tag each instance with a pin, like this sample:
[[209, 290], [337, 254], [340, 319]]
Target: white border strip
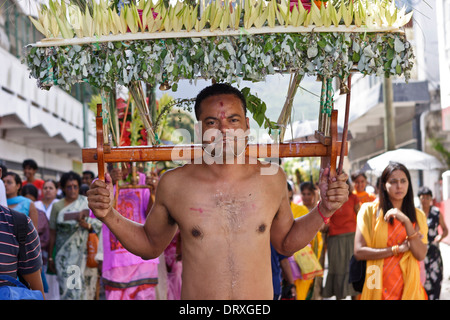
[[58, 42]]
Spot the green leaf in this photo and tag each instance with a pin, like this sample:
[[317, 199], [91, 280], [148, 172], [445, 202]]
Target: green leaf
[[322, 43], [390, 54], [355, 57], [259, 118], [268, 46]]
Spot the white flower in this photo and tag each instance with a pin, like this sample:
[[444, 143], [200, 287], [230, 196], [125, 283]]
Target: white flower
[[312, 52]]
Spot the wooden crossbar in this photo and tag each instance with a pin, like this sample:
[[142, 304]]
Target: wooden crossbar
[[104, 153], [192, 152]]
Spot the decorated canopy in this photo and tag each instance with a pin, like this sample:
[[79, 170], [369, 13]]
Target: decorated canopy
[[107, 43], [226, 41]]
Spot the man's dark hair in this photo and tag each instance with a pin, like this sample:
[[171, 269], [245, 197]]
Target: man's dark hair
[[69, 176], [89, 172], [29, 163], [425, 191], [214, 90]]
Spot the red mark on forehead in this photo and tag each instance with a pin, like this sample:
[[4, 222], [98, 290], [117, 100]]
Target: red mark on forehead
[[222, 115], [221, 103]]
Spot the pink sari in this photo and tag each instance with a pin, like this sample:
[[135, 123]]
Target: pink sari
[[125, 275]]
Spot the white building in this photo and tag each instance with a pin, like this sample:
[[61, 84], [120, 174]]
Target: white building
[[418, 104], [50, 127]]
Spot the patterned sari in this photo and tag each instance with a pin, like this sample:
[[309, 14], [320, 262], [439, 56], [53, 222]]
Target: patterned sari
[[433, 260], [71, 249]]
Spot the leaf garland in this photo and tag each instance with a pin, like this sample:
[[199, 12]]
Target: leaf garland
[[223, 58]]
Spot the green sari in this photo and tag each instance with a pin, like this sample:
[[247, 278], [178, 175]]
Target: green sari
[[71, 248]]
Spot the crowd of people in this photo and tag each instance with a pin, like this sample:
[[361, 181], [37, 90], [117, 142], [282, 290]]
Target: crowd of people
[[60, 216], [87, 238], [61, 213], [386, 230]]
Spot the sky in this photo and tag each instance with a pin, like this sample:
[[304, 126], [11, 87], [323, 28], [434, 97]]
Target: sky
[[273, 92]]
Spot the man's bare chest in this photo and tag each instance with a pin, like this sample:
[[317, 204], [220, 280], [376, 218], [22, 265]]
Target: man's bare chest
[[214, 210]]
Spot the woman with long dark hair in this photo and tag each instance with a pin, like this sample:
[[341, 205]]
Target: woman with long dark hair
[[392, 236]]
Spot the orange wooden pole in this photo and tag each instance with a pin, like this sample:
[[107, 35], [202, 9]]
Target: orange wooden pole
[[345, 130], [333, 147], [99, 151]]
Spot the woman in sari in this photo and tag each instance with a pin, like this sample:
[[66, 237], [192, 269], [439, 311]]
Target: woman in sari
[[359, 188], [69, 231], [392, 236], [433, 261]]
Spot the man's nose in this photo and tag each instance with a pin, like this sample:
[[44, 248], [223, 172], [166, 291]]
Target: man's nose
[[223, 126]]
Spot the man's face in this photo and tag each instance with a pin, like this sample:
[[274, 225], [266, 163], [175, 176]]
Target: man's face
[[86, 179], [224, 126], [29, 172]]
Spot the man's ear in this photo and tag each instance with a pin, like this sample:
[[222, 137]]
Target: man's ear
[[247, 120]]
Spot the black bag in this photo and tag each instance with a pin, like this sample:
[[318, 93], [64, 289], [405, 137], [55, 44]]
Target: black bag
[[357, 273]]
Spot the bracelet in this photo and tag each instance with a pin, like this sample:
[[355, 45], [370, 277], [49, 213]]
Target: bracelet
[[326, 220], [412, 236], [395, 250]]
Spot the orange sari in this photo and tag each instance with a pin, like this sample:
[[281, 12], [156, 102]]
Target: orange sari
[[392, 274], [395, 277]]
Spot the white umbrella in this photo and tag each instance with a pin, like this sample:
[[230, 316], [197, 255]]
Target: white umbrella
[[412, 159]]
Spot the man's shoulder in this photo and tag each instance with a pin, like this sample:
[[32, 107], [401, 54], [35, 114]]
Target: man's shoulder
[[176, 172], [271, 170]]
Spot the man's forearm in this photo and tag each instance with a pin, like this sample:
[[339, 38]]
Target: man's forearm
[[303, 230], [131, 234]]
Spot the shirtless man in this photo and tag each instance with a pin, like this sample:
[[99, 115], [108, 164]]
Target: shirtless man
[[228, 214]]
